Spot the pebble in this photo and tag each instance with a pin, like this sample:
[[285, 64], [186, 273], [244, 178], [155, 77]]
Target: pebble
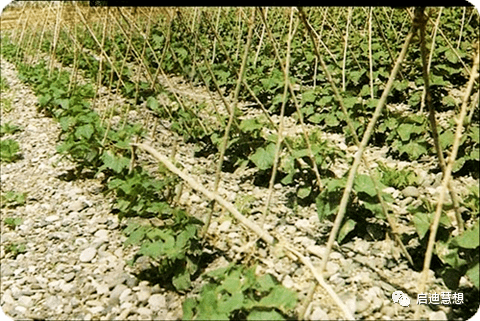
[[143, 296], [437, 315], [52, 218], [144, 311], [117, 291], [318, 314], [157, 302], [69, 276], [410, 191], [25, 301], [77, 206], [362, 305], [88, 254], [388, 311]]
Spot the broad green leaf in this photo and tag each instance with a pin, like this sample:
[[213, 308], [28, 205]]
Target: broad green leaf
[[181, 280], [472, 274], [265, 315], [152, 249], [446, 139], [266, 282], [188, 305], [469, 239], [304, 191], [308, 97], [231, 302], [117, 164], [152, 103], [84, 131], [281, 298], [249, 125], [364, 183], [448, 254], [413, 149], [135, 237], [263, 158], [422, 224], [316, 118], [404, 130], [331, 120], [346, 228]]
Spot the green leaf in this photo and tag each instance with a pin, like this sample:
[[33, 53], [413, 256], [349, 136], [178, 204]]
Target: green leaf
[[422, 224], [472, 274], [181, 280], [280, 298], [404, 130], [469, 239], [364, 183], [263, 158], [84, 131], [346, 228], [266, 282], [117, 164], [231, 303], [304, 191], [264, 315], [188, 305], [308, 97], [446, 139], [136, 236], [249, 125]]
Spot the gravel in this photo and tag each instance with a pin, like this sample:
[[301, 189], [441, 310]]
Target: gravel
[[74, 264]]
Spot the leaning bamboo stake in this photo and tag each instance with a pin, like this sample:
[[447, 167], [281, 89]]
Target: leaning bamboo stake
[[338, 97], [446, 177], [223, 146], [461, 28], [434, 36], [215, 39], [361, 148], [278, 144], [432, 120], [370, 60], [279, 242], [346, 47], [260, 42], [295, 102]]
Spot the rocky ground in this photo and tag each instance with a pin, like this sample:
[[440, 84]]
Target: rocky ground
[[74, 263]]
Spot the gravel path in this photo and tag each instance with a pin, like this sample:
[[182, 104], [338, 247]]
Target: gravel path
[[74, 265]]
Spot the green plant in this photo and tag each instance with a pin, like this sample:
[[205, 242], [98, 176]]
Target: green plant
[[175, 247], [6, 105], [8, 128], [235, 292], [397, 178], [15, 249], [12, 199], [459, 254], [3, 85], [9, 150], [13, 221]]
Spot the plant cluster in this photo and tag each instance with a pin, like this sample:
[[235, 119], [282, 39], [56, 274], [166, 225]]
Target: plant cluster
[[235, 292]]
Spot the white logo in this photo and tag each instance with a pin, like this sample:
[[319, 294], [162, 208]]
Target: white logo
[[401, 298]]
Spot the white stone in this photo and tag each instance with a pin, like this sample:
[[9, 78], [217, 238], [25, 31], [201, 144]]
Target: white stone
[[157, 302], [25, 301], [88, 254], [124, 295], [102, 234], [224, 226]]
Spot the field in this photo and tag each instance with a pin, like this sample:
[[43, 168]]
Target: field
[[239, 163]]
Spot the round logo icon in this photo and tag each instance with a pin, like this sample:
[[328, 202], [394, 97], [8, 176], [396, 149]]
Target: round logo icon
[[404, 301], [396, 296]]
